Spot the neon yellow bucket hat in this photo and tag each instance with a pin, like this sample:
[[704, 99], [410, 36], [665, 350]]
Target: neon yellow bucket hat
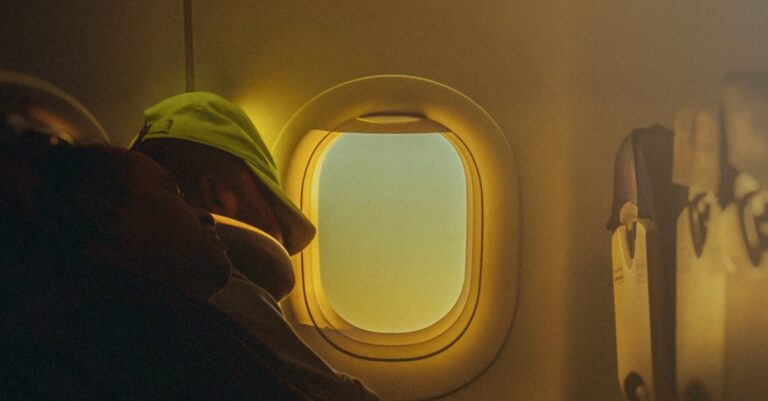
[[211, 120]]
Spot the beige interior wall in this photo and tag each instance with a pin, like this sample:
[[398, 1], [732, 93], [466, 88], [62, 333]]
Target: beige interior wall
[[116, 57], [565, 81]]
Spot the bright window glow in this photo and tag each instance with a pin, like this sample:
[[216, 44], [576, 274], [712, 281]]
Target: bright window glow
[[392, 211]]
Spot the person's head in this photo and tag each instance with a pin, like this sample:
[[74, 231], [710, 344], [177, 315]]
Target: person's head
[[216, 181], [115, 207], [222, 163]]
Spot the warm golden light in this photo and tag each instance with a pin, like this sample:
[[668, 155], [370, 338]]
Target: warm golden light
[[392, 229]]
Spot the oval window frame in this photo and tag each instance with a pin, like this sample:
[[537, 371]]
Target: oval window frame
[[438, 364]]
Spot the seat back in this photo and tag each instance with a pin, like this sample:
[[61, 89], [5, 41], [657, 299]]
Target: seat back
[[701, 274], [722, 267], [744, 224], [642, 222]]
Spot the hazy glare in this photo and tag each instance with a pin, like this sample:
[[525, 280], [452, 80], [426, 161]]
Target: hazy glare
[[392, 229]]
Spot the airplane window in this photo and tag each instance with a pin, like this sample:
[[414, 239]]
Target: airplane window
[[392, 214], [413, 274]]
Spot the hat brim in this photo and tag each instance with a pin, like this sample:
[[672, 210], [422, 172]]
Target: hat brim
[[298, 231]]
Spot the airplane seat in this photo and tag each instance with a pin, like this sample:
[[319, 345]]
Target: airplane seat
[[20, 144], [720, 156], [642, 221], [745, 236], [700, 277], [34, 116], [44, 106]]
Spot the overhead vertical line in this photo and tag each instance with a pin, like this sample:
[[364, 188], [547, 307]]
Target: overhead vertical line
[[189, 49]]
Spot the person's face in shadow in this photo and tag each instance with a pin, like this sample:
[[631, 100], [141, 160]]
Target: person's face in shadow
[[257, 207], [155, 233]]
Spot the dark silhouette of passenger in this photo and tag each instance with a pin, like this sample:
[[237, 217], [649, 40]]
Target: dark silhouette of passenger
[[103, 268], [108, 309], [224, 167]]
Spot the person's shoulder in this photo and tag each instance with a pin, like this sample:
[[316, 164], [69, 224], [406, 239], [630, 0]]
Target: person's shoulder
[[240, 288]]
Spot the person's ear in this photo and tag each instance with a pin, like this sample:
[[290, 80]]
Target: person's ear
[[217, 196]]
